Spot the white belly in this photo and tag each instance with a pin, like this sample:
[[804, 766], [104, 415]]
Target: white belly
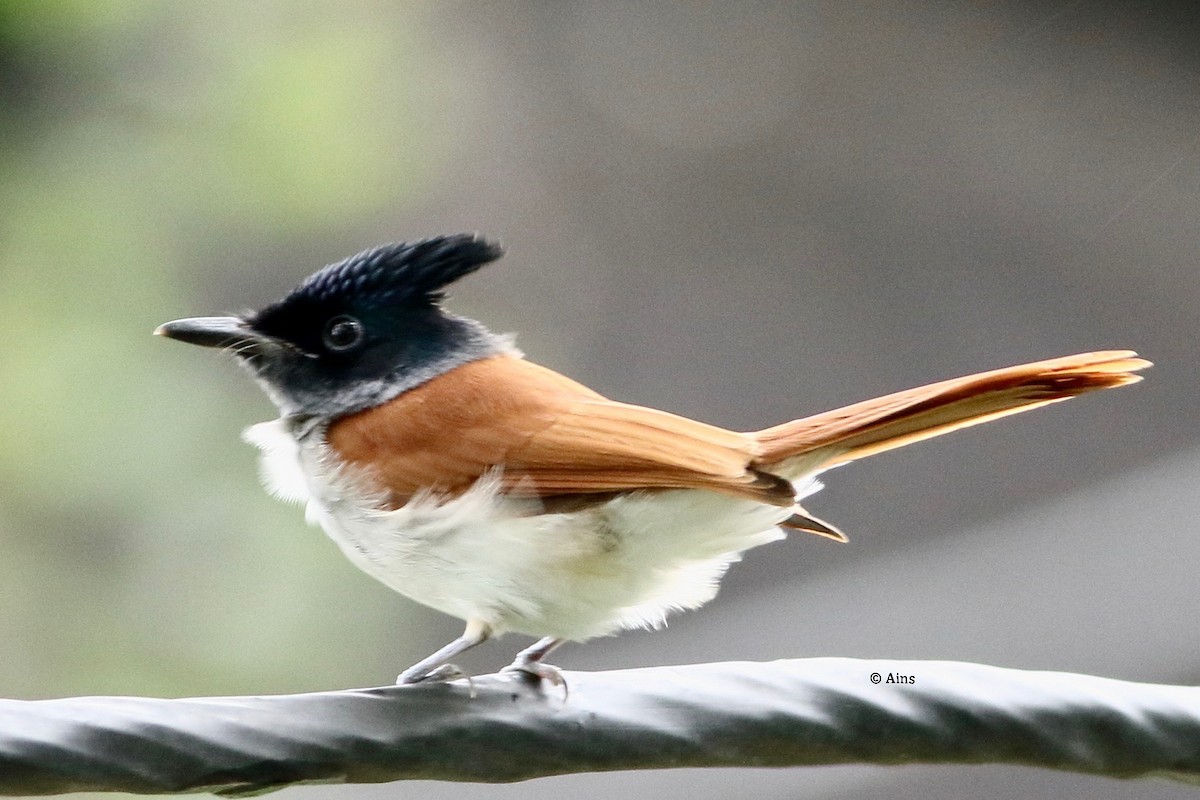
[[625, 563]]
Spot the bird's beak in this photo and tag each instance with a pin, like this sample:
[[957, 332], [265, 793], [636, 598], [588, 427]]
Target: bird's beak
[[222, 332]]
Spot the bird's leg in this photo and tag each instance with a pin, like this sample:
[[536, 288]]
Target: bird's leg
[[529, 661], [435, 668]]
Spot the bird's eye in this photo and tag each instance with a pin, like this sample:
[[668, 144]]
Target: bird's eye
[[343, 333]]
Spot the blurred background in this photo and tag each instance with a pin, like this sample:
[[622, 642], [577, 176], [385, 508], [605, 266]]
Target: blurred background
[[739, 212]]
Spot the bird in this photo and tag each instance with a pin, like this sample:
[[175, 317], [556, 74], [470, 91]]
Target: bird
[[458, 473]]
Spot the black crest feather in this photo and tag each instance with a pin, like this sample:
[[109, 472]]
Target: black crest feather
[[401, 272]]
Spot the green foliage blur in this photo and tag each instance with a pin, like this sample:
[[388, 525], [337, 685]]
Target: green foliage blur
[[147, 152]]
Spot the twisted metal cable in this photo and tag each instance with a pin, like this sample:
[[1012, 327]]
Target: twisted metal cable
[[503, 728]]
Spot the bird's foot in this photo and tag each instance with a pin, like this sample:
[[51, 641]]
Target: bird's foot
[[537, 671], [443, 674]]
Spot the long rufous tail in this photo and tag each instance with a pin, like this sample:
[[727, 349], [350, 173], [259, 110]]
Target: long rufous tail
[[815, 443]]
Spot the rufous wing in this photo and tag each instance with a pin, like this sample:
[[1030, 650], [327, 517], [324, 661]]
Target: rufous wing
[[545, 435]]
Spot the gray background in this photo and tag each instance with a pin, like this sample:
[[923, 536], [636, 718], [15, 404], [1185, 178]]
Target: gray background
[[739, 212]]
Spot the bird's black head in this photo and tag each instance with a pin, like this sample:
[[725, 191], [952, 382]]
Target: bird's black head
[[359, 332]]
